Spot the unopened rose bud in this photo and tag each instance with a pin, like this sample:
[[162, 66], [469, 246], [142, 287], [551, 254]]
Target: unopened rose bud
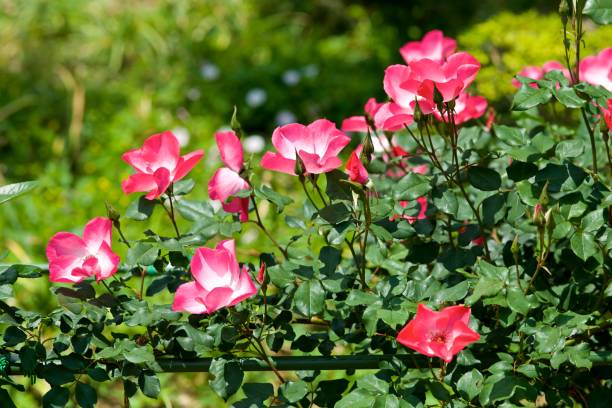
[[537, 214], [543, 200], [564, 11], [515, 248], [299, 168], [368, 148], [112, 213], [235, 124], [262, 273]]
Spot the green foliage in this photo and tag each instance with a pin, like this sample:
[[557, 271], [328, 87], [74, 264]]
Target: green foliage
[[505, 44]]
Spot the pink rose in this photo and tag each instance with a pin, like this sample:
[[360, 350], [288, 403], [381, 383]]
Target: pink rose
[[355, 168], [597, 69], [537, 73], [158, 164], [317, 145], [467, 107], [226, 181], [439, 334], [433, 46], [219, 281], [72, 258]]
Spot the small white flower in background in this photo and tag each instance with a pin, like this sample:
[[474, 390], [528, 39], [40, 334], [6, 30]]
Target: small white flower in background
[[256, 97], [182, 113], [254, 143], [311, 71], [182, 135], [193, 94], [209, 71], [250, 236], [291, 77], [284, 117]]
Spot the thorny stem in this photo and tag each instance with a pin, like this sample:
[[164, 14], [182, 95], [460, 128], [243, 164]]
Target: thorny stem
[[364, 243], [262, 352], [170, 211], [261, 225], [118, 228], [454, 137], [316, 186], [592, 137]]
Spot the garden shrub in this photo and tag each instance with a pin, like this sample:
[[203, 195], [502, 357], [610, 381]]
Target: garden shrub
[[465, 250]]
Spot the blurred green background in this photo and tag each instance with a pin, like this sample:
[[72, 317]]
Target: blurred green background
[[83, 81]]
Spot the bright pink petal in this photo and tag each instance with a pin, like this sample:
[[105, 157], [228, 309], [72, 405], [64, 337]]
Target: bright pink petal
[[212, 268], [245, 288], [96, 232], [139, 182], [356, 170], [355, 124], [318, 165], [230, 149], [395, 76], [107, 262], [276, 162], [61, 269], [186, 163], [66, 244], [218, 298], [238, 205], [287, 139], [162, 180], [225, 183], [188, 298]]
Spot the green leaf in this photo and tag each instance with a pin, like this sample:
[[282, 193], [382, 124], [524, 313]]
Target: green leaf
[[570, 148], [309, 298], [470, 384], [373, 384], [447, 203], [13, 336], [140, 209], [357, 297], [149, 384], [194, 210], [452, 294], [411, 186], [583, 244], [56, 397], [528, 97], [567, 96], [386, 401], [227, 377], [142, 254], [592, 221], [183, 187], [5, 397], [294, 391], [280, 201], [358, 398], [86, 395], [519, 170], [139, 355], [600, 11], [11, 191], [484, 179], [335, 213], [517, 300], [335, 188]]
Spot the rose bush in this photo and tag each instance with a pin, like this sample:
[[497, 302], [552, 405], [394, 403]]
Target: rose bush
[[468, 258]]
